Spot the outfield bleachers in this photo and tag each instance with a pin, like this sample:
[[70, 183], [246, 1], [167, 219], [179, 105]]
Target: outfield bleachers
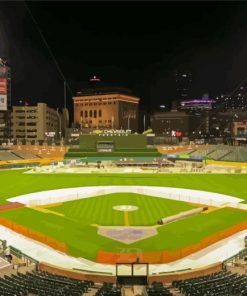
[[8, 155], [217, 284], [25, 155], [222, 153], [237, 154], [204, 151]]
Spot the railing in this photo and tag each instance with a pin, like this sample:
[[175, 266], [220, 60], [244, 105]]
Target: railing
[[239, 255]]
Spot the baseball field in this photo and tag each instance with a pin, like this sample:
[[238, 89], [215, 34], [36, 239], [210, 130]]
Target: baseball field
[[76, 223]]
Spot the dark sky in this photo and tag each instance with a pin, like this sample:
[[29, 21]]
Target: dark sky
[[138, 45]]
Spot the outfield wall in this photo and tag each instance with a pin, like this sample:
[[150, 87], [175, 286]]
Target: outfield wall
[[33, 234], [131, 141]]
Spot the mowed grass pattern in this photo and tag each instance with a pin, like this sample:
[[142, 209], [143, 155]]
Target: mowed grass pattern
[[98, 210]]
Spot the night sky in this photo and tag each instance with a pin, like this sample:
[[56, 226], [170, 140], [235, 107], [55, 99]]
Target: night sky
[[139, 45]]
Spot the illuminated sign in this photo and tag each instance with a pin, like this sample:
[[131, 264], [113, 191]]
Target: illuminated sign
[[3, 86], [3, 102], [115, 132], [176, 134], [50, 134]]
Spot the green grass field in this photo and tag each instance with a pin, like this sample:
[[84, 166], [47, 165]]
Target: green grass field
[[75, 228]]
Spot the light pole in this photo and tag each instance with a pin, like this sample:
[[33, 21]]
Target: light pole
[[60, 125], [144, 122]]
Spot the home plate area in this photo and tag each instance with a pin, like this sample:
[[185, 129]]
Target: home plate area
[[127, 235]]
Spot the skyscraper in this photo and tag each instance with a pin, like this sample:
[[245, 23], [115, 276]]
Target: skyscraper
[[183, 84]]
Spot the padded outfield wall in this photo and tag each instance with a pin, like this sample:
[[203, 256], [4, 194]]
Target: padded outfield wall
[[121, 141]]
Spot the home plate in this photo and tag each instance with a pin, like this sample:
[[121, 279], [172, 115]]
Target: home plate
[[127, 235]]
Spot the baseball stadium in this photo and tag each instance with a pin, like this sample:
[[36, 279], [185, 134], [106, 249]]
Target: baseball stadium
[[113, 213]]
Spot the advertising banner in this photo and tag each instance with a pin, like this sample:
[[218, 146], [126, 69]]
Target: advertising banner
[[3, 102], [3, 86]]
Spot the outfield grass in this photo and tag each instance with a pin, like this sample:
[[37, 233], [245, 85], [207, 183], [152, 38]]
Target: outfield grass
[[14, 183]]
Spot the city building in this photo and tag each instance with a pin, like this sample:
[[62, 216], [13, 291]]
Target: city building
[[102, 107], [183, 81], [222, 123], [174, 123], [200, 107], [236, 100], [239, 132], [5, 100], [36, 123]]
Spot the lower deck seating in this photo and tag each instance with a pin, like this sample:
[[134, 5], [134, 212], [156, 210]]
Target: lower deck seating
[[42, 284], [108, 289], [217, 284], [158, 289]]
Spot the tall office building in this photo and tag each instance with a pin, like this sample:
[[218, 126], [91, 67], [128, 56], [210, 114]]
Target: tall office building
[[103, 107], [5, 100], [183, 81]]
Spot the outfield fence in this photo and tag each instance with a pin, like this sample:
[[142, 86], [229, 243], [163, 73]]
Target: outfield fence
[[33, 234]]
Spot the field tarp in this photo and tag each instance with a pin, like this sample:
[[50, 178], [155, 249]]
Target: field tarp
[[180, 194]]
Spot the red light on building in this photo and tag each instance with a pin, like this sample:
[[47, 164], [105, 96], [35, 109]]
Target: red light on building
[[178, 134]]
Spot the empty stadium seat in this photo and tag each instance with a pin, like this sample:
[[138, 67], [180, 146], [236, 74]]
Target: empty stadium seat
[[217, 284]]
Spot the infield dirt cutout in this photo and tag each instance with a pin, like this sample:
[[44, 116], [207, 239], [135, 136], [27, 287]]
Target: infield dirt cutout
[[127, 234]]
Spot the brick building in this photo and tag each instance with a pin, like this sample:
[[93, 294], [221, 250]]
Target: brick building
[[103, 107]]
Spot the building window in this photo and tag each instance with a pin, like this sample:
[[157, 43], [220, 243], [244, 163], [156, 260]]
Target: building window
[[90, 113], [81, 113], [86, 115], [95, 113], [100, 113]]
